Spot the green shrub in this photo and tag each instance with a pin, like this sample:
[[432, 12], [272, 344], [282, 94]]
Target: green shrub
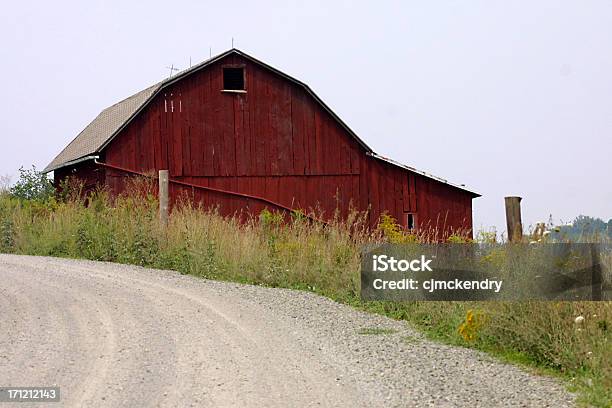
[[32, 185]]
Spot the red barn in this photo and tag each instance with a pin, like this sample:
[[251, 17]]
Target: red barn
[[239, 134]]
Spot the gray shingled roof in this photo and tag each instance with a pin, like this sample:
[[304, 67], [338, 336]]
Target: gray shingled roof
[[104, 126]]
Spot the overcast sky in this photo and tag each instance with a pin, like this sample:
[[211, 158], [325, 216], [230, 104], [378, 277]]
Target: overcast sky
[[509, 98]]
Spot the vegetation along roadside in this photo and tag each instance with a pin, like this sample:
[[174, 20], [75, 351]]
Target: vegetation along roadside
[[567, 339]]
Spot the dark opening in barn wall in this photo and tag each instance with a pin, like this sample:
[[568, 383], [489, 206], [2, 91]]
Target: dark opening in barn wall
[[411, 221], [233, 78]]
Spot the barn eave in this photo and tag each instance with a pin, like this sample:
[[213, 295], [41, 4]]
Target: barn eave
[[49, 169], [422, 173]]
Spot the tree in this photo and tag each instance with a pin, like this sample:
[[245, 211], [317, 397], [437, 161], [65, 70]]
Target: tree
[[32, 185]]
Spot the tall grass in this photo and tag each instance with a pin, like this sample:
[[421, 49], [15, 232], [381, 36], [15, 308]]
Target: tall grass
[[300, 253]]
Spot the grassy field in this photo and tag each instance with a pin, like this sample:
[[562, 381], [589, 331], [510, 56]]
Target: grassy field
[[325, 259]]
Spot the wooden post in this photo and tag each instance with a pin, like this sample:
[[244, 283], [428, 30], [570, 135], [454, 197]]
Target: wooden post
[[513, 219], [163, 197]]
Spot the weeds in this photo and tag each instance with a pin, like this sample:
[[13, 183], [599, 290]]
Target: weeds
[[297, 252], [469, 329]]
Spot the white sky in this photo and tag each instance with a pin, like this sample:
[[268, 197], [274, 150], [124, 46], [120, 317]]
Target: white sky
[[510, 98]]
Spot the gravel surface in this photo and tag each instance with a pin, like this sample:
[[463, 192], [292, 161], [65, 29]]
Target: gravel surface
[[116, 335]]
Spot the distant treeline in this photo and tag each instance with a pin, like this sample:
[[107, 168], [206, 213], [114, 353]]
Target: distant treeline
[[584, 227]]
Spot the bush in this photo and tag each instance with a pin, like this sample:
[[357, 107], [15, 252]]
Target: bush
[[32, 185]]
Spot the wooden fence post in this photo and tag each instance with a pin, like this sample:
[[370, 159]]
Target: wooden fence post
[[163, 197], [513, 219]]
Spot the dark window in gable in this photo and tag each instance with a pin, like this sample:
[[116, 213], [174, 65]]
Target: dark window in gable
[[233, 79]]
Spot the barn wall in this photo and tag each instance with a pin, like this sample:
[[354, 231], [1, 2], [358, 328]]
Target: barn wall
[[443, 208], [274, 141], [398, 192]]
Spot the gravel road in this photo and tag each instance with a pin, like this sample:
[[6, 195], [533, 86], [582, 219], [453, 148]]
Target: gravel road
[[116, 335]]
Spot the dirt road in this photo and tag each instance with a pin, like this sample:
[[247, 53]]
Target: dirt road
[[115, 335]]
